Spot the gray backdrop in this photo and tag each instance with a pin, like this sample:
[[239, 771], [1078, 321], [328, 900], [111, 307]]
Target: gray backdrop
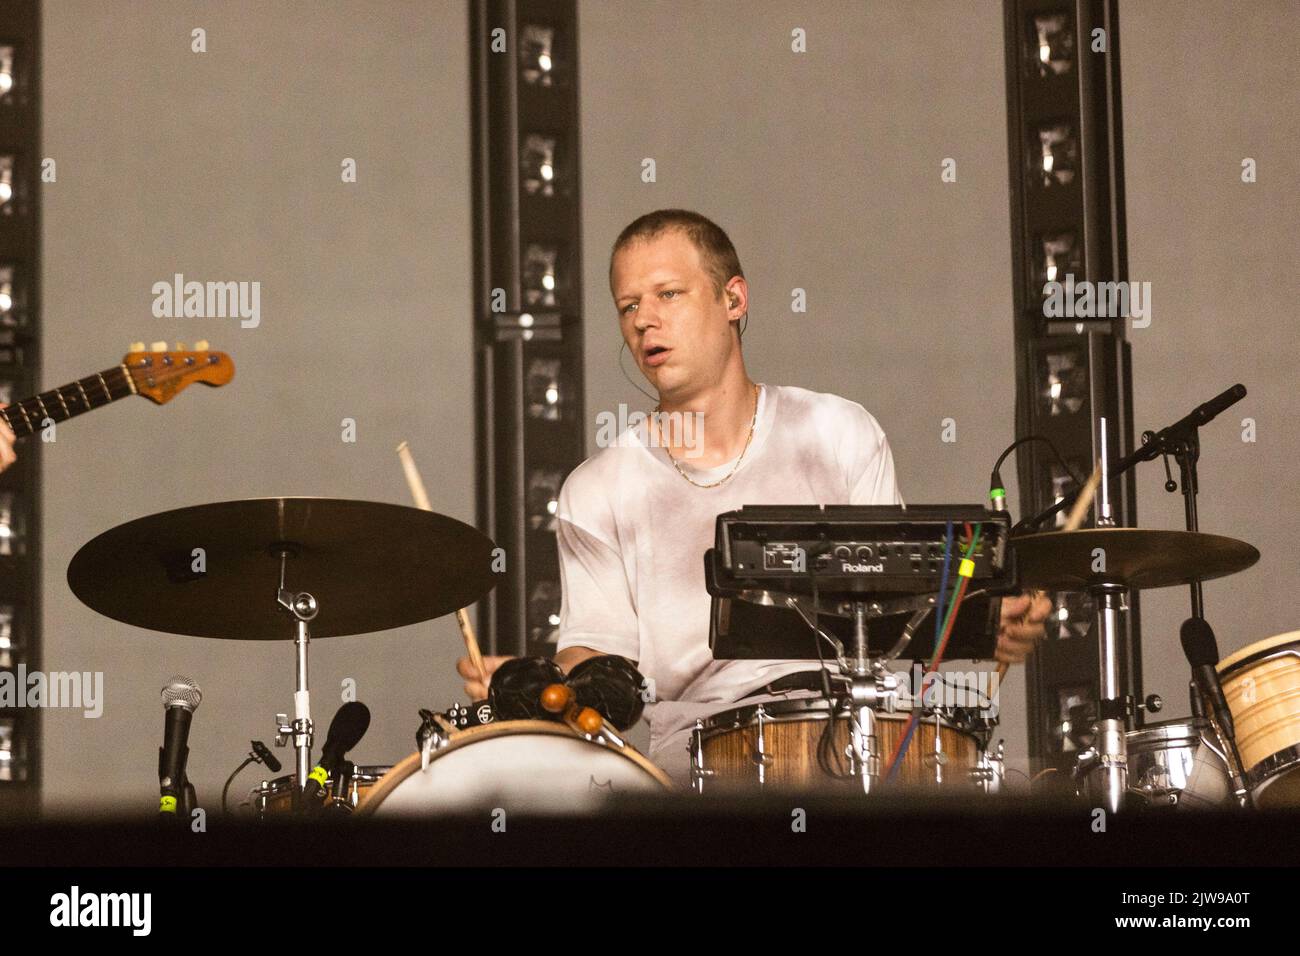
[[825, 169]]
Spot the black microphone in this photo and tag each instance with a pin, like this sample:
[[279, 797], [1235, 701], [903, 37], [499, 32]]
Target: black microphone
[[1207, 412], [1203, 653], [264, 754], [180, 699], [1202, 414], [347, 728]]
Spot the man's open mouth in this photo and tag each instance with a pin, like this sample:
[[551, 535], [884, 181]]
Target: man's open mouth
[[656, 354]]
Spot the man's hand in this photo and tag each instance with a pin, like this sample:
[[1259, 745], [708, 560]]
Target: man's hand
[[7, 455], [474, 685], [568, 659], [1022, 626]]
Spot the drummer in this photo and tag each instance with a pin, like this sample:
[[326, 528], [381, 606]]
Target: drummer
[[634, 520]]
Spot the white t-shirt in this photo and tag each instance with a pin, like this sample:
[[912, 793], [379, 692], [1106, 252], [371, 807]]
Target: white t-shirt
[[632, 535]]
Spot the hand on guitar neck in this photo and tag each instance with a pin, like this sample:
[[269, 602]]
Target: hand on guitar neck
[[7, 454], [156, 374]]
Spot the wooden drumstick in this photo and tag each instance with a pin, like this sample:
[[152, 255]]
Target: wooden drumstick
[[1073, 523], [422, 502]]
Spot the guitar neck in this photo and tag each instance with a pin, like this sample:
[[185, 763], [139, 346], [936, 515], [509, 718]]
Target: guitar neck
[[67, 401]]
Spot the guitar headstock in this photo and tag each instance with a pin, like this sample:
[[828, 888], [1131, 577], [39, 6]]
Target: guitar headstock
[[158, 374]]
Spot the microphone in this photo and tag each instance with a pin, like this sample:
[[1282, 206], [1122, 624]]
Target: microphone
[[347, 728], [1202, 414], [264, 754], [1206, 412], [1203, 653], [180, 698]]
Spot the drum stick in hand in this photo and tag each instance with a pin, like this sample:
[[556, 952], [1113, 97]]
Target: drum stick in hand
[[422, 502], [1073, 523]]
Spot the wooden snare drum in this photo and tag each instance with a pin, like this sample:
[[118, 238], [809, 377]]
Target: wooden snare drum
[[1262, 685], [777, 744]]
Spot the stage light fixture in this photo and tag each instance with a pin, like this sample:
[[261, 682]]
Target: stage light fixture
[[11, 649], [536, 52], [537, 164], [543, 388], [540, 266], [543, 497], [1055, 256], [6, 179], [543, 612], [6, 69], [1056, 154], [1067, 382], [1052, 35], [11, 524]]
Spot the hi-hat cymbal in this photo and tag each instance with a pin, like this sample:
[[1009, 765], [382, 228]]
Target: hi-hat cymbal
[[371, 566], [1138, 558]]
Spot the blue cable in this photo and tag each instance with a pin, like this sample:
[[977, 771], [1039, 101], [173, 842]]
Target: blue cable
[[938, 636]]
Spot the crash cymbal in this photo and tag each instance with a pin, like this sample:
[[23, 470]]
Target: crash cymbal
[[371, 566], [1138, 558]]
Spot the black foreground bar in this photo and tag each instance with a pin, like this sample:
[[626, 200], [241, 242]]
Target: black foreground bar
[[689, 831]]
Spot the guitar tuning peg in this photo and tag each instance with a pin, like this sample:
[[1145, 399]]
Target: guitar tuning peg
[[201, 345], [159, 346], [137, 347]]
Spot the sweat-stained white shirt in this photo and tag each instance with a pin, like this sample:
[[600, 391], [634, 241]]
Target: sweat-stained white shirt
[[632, 535]]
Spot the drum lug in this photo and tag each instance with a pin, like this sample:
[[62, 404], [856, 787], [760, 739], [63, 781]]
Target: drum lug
[[696, 748], [760, 758], [991, 769], [429, 738]]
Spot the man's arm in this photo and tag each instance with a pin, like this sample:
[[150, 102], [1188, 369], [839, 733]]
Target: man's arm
[[596, 601]]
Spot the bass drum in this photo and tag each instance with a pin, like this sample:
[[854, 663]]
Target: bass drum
[[532, 765]]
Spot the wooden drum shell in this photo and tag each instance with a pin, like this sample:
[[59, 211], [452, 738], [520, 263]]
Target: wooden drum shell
[[1262, 685], [729, 744]]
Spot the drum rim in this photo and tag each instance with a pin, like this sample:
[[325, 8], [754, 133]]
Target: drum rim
[[505, 728], [799, 708], [1271, 768], [1249, 653], [1193, 729]]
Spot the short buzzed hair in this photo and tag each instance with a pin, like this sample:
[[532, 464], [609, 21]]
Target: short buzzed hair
[[717, 253]]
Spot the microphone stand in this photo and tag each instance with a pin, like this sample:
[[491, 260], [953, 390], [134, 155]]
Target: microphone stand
[[1183, 441]]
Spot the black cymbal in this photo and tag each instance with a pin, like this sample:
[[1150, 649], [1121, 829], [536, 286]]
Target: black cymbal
[[371, 566], [1139, 558]]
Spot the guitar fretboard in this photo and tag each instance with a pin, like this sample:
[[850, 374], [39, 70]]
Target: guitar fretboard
[[66, 401]]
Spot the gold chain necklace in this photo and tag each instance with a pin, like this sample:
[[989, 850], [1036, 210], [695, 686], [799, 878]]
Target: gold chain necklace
[[713, 484]]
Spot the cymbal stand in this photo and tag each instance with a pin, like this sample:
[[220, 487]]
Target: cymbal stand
[[303, 607], [1113, 705]]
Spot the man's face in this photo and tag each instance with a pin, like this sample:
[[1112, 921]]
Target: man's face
[[673, 319]]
